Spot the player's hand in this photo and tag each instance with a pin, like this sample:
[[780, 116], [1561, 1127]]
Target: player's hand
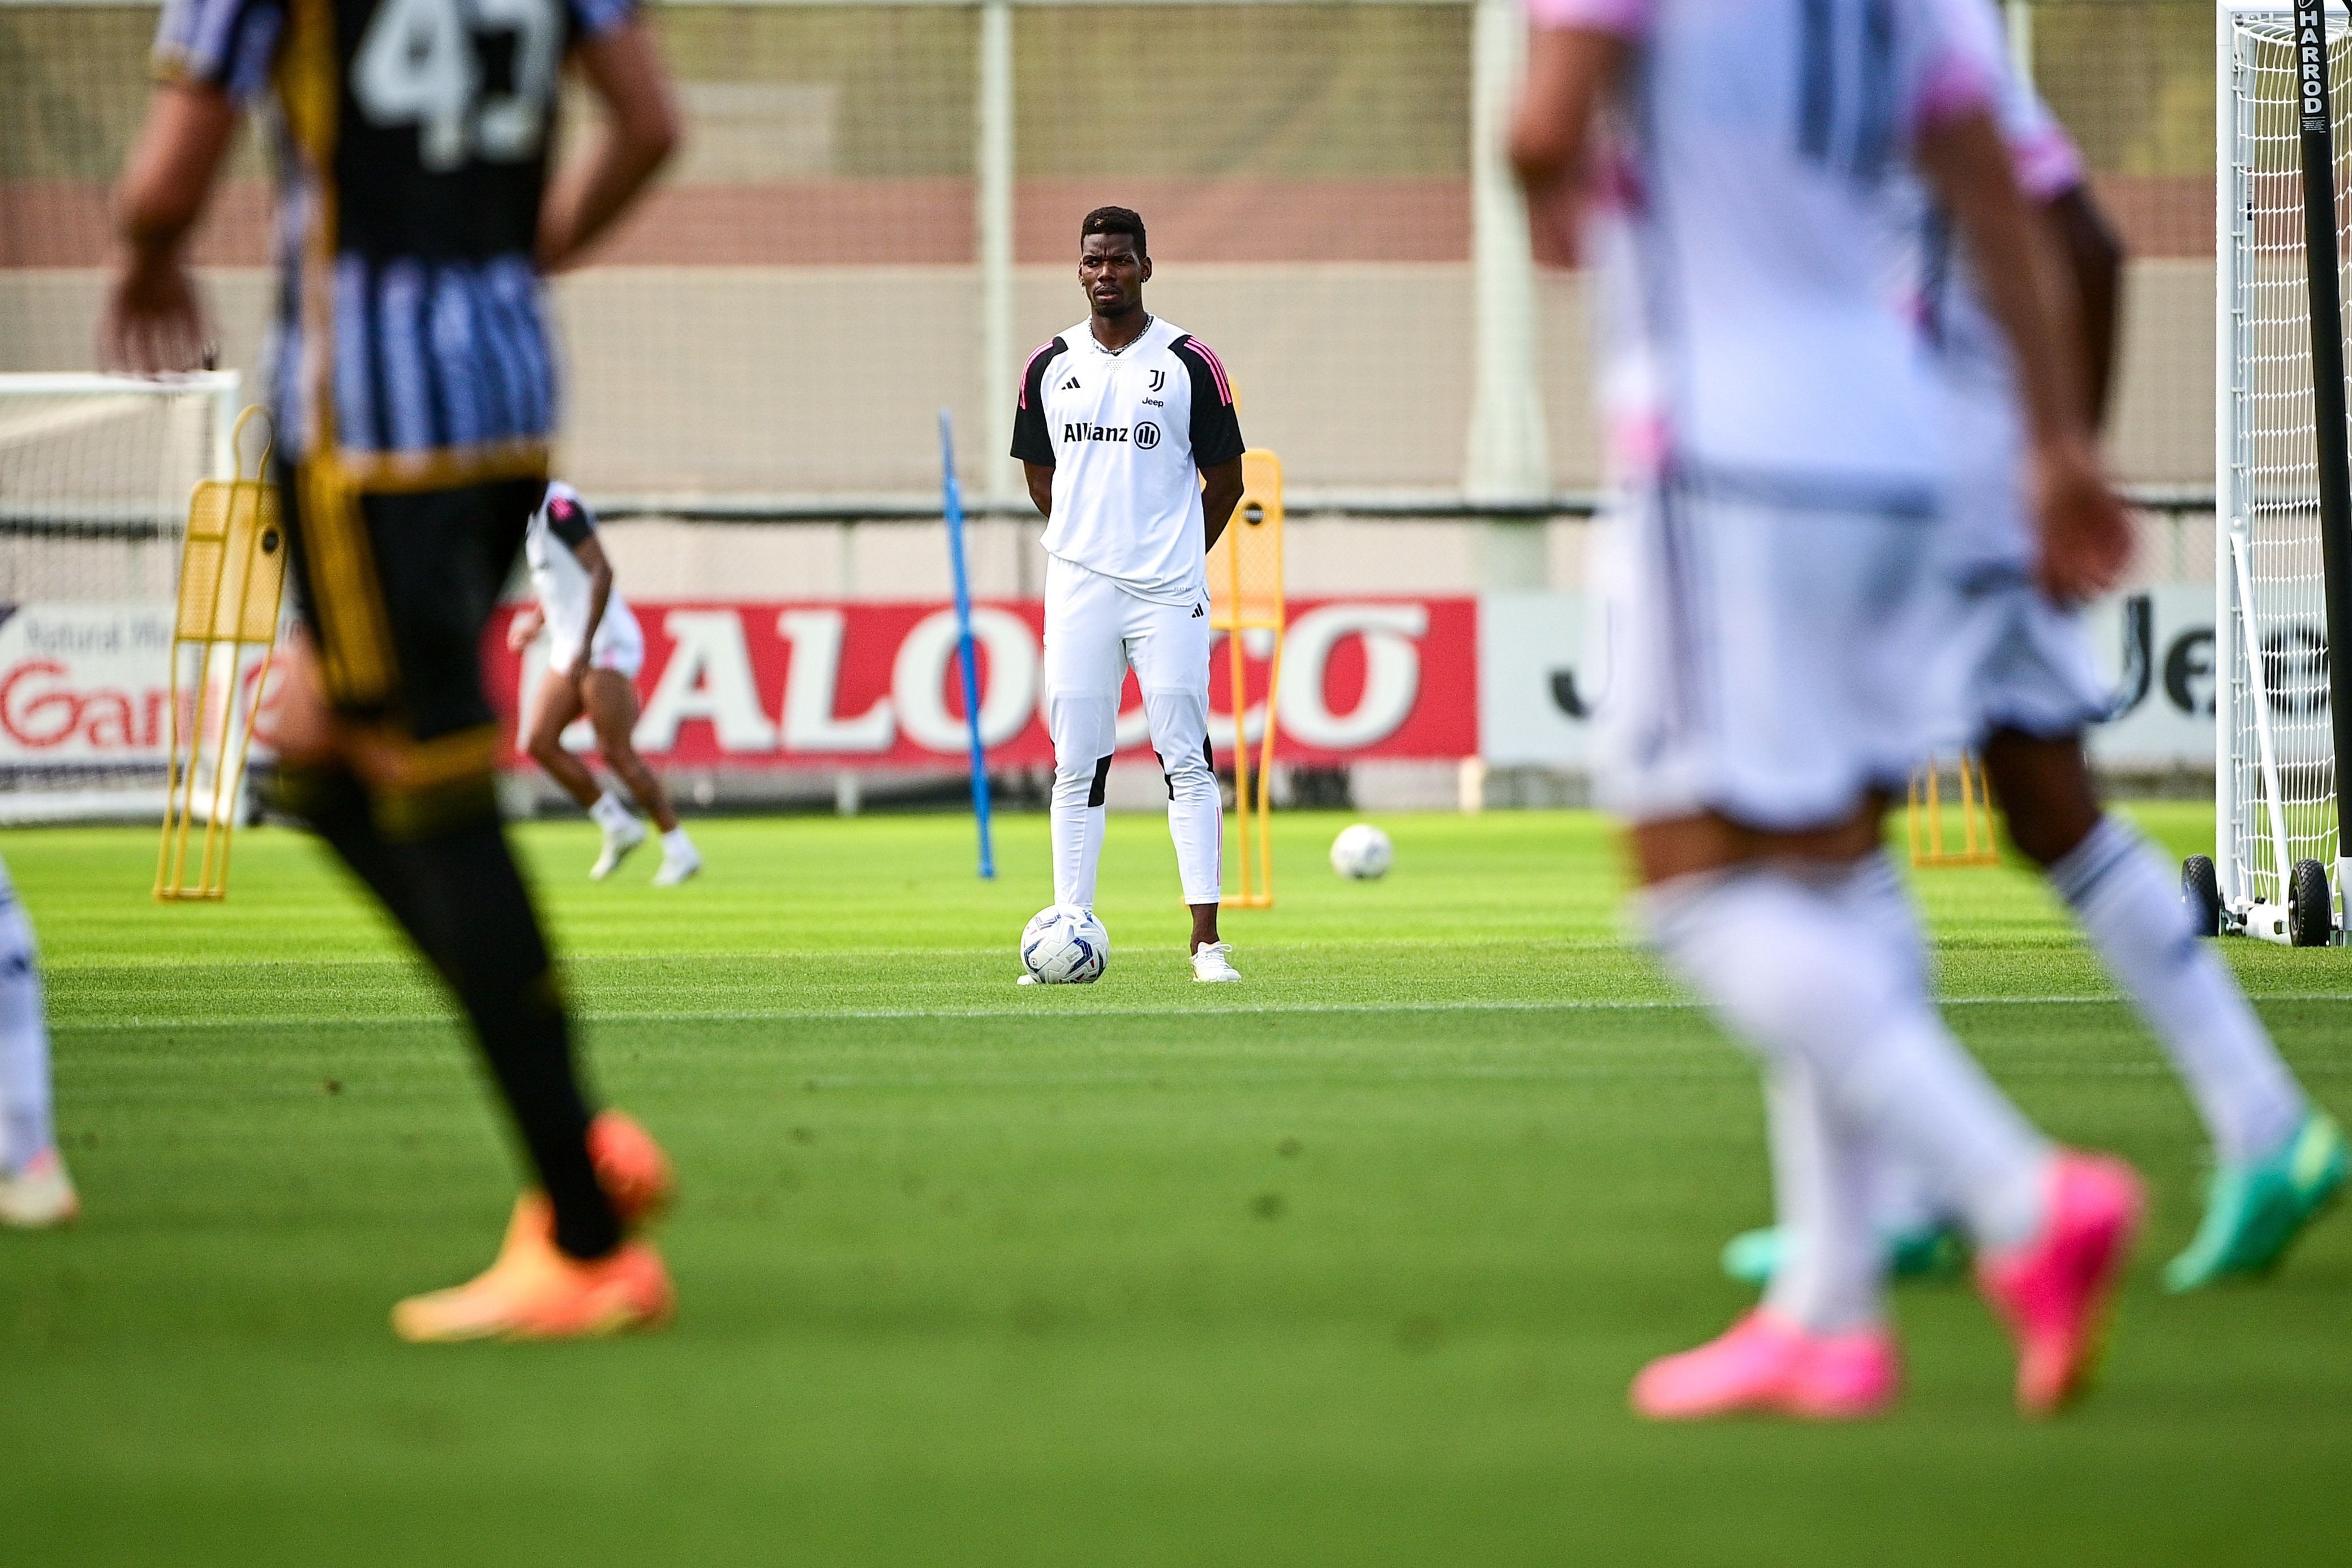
[[154, 323], [523, 630], [2086, 533]]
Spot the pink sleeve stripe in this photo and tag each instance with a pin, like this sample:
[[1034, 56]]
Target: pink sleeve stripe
[[2048, 164], [1043, 349], [1216, 367], [1955, 85], [1622, 17]]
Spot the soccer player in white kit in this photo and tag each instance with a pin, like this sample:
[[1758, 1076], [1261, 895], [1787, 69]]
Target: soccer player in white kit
[[2025, 686], [1775, 425], [1127, 429], [594, 651], [34, 1191]]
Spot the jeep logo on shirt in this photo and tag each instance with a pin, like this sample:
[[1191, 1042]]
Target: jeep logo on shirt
[[1146, 435]]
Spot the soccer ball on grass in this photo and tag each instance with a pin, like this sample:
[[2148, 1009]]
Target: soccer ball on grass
[[1065, 946], [1361, 853]]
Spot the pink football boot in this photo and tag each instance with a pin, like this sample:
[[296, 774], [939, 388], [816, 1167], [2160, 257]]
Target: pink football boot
[[1765, 1364], [2052, 1290]]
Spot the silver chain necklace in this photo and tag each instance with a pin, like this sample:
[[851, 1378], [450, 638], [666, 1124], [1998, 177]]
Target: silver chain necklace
[[1148, 319]]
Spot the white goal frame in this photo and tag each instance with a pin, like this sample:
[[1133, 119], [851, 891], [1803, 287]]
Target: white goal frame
[[160, 522], [2257, 843]]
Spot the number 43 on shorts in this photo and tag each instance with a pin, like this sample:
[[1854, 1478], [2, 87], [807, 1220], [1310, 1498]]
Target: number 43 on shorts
[[419, 64]]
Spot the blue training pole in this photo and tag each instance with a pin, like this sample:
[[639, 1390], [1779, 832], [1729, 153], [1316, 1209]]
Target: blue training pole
[[966, 653]]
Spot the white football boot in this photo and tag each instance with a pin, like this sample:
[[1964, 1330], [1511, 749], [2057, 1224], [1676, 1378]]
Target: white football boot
[[1212, 963], [40, 1196], [677, 865], [621, 836]]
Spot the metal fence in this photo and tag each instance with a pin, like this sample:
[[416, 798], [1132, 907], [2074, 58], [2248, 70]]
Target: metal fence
[[877, 204]]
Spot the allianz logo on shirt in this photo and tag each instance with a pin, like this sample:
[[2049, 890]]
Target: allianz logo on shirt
[[1146, 434]]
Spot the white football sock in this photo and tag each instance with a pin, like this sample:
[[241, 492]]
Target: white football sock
[[26, 1127], [1085, 731], [675, 842], [609, 811], [1901, 1202], [1829, 1278], [1196, 813], [2127, 906], [1792, 970]]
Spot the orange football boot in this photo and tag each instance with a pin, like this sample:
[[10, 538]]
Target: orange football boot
[[635, 1173], [533, 1291]]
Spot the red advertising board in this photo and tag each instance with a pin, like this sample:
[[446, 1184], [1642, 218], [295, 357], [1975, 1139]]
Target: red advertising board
[[759, 684]]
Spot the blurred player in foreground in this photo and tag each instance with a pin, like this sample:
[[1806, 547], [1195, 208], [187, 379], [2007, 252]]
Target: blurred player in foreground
[[1777, 432], [414, 395], [34, 1191], [2027, 686], [594, 650], [1128, 431]]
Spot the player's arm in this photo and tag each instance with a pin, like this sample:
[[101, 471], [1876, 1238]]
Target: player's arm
[[2093, 258], [153, 321], [1221, 492], [525, 628], [1041, 485], [1568, 72], [589, 553], [641, 130], [2086, 534]]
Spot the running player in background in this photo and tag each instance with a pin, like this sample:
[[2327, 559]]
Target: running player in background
[[414, 395], [594, 650], [1776, 431], [1126, 430], [34, 1191], [2027, 686]]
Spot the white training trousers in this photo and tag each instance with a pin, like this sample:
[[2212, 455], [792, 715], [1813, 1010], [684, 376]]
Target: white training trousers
[[1095, 630]]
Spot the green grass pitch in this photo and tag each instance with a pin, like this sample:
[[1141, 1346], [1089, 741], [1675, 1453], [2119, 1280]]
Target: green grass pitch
[[1349, 1264]]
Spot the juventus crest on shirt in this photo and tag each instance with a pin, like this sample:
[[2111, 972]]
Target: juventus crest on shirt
[[1127, 434]]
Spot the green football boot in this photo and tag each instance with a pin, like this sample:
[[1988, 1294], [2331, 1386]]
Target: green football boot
[[2254, 1212], [1928, 1251]]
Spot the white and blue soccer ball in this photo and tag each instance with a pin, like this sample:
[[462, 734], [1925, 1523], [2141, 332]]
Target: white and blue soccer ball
[[1361, 853], [1065, 946]]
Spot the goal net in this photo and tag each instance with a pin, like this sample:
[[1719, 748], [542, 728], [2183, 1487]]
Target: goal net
[[2276, 765], [95, 478]]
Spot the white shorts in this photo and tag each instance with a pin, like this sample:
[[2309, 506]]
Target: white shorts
[[2012, 660], [1760, 661], [1095, 630], [619, 645]]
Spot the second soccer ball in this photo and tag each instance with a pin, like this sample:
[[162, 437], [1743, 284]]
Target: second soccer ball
[[1065, 946], [1361, 853]]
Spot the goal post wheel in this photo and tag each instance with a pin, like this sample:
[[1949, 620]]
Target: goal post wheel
[[2311, 914], [2201, 895]]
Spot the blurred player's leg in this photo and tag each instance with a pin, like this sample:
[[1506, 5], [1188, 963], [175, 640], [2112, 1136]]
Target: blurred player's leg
[[1169, 646], [1730, 609], [1818, 1346], [556, 701], [2277, 1160], [612, 700], [1083, 668], [401, 790], [34, 1190]]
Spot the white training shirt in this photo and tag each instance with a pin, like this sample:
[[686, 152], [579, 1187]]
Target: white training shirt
[[1127, 435], [561, 525], [1745, 240]]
